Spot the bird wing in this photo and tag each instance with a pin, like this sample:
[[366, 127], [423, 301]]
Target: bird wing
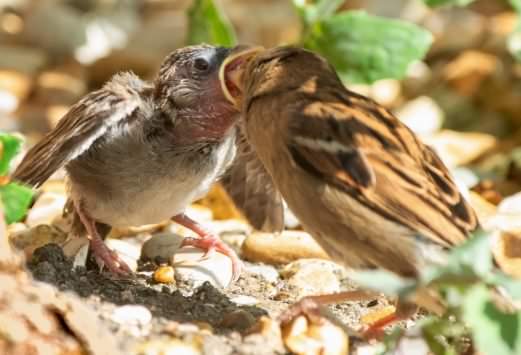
[[357, 146], [252, 190], [84, 123]]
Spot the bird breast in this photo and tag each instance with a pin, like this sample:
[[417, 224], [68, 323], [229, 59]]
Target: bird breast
[[130, 189]]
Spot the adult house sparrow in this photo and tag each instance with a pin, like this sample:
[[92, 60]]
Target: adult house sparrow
[[362, 183], [138, 153]]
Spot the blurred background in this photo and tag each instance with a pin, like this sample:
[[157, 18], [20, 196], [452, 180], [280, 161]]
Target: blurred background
[[52, 52]]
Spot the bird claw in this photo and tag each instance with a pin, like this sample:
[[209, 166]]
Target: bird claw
[[306, 306], [214, 244], [376, 329], [109, 259]]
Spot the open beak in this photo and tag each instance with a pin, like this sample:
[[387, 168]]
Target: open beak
[[232, 70]]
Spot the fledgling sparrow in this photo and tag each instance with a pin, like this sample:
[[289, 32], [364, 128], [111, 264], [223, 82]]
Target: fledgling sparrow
[[362, 183], [139, 153]]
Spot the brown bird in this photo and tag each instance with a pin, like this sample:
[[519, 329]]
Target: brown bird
[[362, 183], [138, 153]]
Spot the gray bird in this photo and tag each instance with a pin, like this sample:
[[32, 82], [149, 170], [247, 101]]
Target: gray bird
[[139, 153]]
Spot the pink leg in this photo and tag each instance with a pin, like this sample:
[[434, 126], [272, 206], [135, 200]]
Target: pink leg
[[104, 256], [404, 310], [208, 242], [310, 305], [376, 330]]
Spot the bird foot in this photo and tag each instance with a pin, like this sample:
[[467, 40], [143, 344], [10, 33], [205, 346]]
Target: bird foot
[[108, 258], [307, 306], [211, 244], [375, 330]]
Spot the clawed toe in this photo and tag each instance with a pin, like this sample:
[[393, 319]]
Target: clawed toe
[[212, 244], [307, 307], [111, 260]]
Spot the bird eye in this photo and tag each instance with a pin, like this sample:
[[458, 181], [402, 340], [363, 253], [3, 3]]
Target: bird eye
[[201, 64]]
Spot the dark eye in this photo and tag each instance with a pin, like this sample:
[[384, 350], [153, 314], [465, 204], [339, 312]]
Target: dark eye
[[201, 64]]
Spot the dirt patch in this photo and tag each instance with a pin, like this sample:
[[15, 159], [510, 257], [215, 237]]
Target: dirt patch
[[207, 307]]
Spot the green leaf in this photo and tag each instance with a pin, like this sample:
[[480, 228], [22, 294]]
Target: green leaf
[[514, 42], [316, 10], [435, 3], [207, 24], [466, 264], [16, 199], [437, 332], [10, 147], [390, 341], [511, 286], [516, 4], [475, 253], [382, 281], [493, 332], [365, 48]]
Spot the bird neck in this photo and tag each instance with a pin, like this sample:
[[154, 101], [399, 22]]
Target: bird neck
[[193, 126]]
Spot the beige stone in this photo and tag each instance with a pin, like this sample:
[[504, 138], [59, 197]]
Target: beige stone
[[303, 337], [282, 248]]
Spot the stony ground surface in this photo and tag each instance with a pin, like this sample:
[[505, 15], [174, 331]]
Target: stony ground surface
[[140, 312]]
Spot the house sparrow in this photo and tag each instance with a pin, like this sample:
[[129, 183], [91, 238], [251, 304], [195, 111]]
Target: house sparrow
[[361, 182], [139, 153]]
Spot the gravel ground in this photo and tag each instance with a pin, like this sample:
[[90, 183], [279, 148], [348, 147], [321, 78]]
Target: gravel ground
[[207, 316]]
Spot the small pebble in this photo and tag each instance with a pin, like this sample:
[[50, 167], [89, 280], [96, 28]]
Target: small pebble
[[192, 271], [46, 209], [33, 238], [132, 315], [313, 276], [127, 251], [243, 300], [268, 272], [459, 148], [80, 259], [290, 220], [238, 319], [386, 92], [422, 115], [302, 337], [161, 247], [508, 215], [164, 274], [169, 346]]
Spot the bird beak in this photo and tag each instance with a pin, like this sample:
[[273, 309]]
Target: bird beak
[[232, 70]]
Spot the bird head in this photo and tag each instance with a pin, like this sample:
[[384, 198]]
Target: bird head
[[189, 87]]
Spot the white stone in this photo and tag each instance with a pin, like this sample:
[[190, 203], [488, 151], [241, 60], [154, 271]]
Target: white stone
[[163, 246], [290, 220], [191, 269], [48, 206], [508, 217], [511, 205], [386, 92], [313, 276], [243, 300], [80, 259], [127, 251], [422, 115], [132, 315], [268, 272]]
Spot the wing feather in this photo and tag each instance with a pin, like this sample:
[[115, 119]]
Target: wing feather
[[354, 144], [252, 190], [82, 125]]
